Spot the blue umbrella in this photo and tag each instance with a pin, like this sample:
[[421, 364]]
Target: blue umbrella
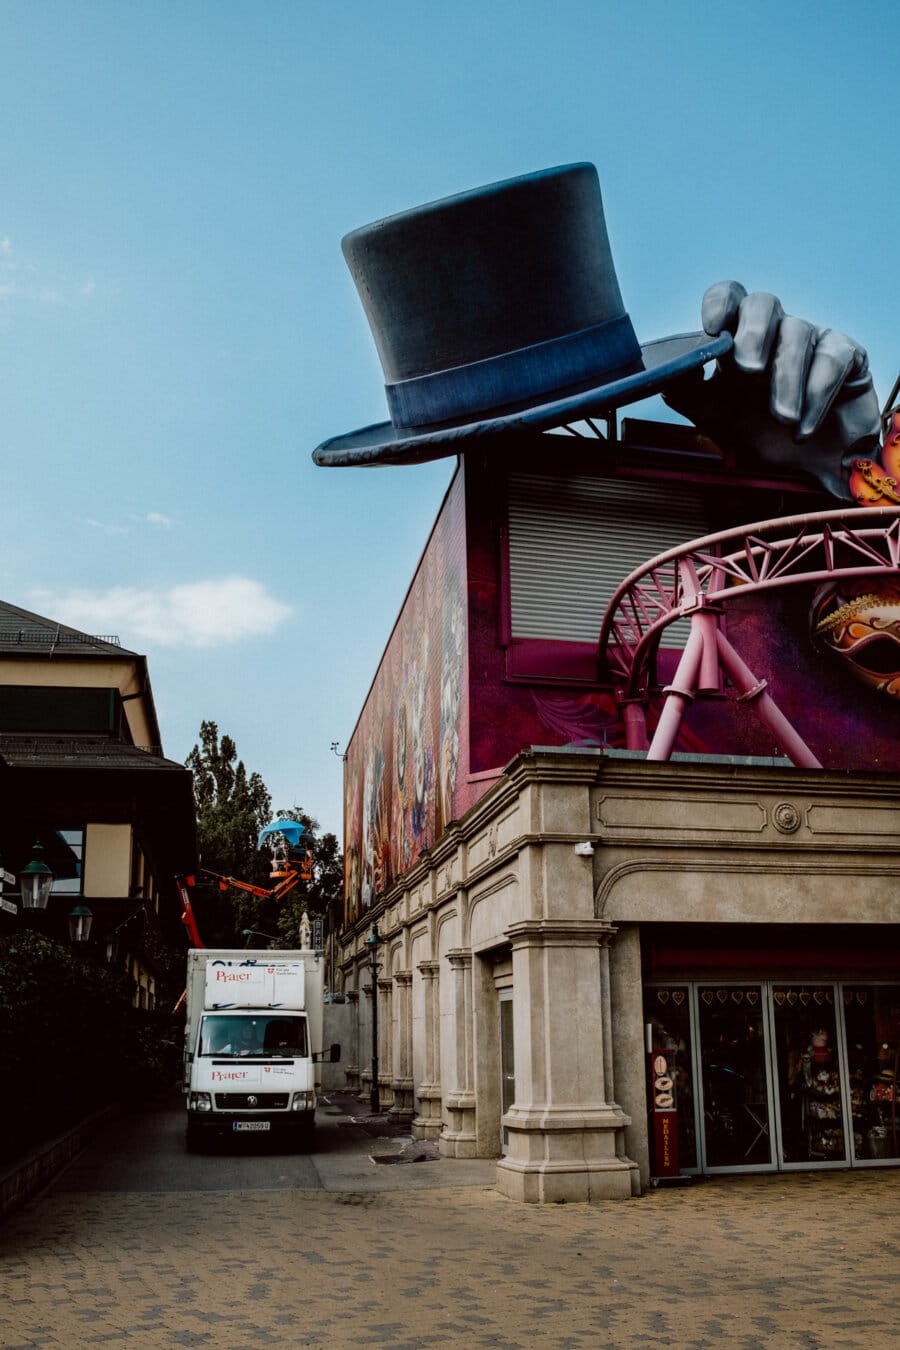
[[291, 829]]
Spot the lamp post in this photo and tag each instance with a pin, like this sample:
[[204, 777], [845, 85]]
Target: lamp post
[[36, 881], [80, 920], [372, 943], [248, 933], [35, 885]]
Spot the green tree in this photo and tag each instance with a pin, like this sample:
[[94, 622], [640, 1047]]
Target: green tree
[[321, 897], [232, 807], [56, 1009]]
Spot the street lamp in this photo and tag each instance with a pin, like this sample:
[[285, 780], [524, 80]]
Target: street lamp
[[36, 881], [372, 943], [80, 920], [248, 933]]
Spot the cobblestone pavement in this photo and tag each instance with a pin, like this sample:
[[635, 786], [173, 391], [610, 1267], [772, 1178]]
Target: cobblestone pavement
[[802, 1260]]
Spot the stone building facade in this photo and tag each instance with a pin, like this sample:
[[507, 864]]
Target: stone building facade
[[714, 873], [600, 968]]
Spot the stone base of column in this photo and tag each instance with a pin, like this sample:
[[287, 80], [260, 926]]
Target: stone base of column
[[385, 1092], [562, 1155], [458, 1139], [403, 1108], [351, 1075], [428, 1123]]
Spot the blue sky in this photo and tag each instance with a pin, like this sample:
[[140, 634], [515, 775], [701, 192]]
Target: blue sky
[[178, 329]]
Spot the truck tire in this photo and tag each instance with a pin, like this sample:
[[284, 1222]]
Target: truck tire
[[306, 1130]]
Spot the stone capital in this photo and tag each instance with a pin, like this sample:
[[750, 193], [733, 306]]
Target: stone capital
[[560, 933]]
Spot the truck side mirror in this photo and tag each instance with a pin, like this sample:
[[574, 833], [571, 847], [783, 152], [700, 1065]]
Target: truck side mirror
[[335, 1054]]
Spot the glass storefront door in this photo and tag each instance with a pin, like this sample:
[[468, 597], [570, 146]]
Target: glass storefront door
[[507, 1062], [737, 1125], [781, 1074]]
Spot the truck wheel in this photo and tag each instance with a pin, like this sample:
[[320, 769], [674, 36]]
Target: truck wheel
[[306, 1130]]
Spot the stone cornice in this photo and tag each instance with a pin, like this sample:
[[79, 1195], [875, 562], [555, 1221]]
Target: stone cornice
[[594, 769]]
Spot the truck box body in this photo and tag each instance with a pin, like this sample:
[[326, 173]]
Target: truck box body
[[253, 1028]]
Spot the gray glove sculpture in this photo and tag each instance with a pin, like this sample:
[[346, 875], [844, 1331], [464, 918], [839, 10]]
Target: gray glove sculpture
[[789, 395]]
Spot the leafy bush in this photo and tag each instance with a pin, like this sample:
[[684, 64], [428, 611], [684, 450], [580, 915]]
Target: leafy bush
[[63, 1021]]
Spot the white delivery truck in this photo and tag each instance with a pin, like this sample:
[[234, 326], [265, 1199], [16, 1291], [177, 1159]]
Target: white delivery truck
[[253, 1038]]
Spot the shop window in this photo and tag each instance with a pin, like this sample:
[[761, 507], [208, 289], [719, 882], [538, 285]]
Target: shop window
[[810, 1087], [733, 1073], [872, 1020], [667, 1013]]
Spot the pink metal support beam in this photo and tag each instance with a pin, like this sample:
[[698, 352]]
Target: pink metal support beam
[[700, 579]]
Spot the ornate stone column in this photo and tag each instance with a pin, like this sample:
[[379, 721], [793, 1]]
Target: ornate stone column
[[385, 1040], [351, 1067], [402, 1081], [365, 1042], [565, 1131], [427, 1124], [458, 1135]]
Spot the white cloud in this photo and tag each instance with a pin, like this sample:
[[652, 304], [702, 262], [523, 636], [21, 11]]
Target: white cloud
[[106, 529], [157, 518], [5, 244], [213, 613]]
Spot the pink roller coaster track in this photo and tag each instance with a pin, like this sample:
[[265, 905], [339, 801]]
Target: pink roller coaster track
[[699, 580]]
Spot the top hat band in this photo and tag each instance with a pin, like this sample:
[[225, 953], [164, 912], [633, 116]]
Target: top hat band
[[604, 352]]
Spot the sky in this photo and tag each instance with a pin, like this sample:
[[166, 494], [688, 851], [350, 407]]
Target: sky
[[178, 329]]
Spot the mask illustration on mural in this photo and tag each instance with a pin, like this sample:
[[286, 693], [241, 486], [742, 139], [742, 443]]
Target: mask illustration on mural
[[860, 627]]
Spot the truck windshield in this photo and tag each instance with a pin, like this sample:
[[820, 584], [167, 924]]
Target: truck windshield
[[257, 1034]]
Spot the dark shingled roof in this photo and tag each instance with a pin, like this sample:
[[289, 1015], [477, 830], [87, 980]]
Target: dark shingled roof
[[79, 752], [31, 634]]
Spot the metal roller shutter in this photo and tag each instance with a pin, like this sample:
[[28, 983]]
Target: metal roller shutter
[[572, 540]]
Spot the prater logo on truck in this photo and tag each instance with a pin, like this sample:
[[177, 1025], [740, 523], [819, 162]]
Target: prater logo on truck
[[233, 976]]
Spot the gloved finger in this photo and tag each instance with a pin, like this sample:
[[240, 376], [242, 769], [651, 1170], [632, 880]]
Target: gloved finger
[[758, 324], [794, 347], [720, 307], [835, 359]]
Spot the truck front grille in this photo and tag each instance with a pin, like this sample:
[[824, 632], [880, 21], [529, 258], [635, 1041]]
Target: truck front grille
[[252, 1101]]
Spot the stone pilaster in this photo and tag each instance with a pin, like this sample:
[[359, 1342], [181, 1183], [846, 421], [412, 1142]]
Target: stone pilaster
[[402, 1081], [428, 1123], [351, 1067], [458, 1135], [385, 1040], [565, 1132], [365, 1041]]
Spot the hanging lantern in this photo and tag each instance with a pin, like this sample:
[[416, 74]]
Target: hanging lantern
[[80, 920], [36, 881]]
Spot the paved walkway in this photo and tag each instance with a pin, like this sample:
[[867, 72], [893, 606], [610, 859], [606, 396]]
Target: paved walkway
[[802, 1260]]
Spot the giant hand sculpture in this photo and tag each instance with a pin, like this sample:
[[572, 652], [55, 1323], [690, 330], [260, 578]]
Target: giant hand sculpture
[[789, 395]]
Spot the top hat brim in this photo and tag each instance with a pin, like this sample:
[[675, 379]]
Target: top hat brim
[[664, 360]]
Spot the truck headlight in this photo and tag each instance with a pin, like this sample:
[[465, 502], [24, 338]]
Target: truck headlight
[[303, 1101], [200, 1101]]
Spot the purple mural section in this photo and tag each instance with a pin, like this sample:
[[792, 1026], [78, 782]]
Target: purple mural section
[[454, 701]]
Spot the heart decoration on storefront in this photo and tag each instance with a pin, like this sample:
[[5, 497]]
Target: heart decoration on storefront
[[678, 997]]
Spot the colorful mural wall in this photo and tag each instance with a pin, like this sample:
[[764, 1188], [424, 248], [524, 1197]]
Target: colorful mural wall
[[406, 773]]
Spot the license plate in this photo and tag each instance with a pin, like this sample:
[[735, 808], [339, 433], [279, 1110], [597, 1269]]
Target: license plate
[[249, 1125]]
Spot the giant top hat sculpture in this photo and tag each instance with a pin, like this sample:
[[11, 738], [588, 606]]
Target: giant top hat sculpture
[[499, 309]]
